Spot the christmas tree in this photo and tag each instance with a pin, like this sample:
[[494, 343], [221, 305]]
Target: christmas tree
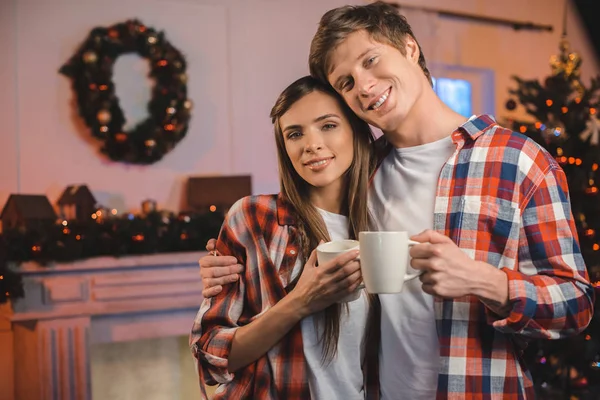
[[562, 116]]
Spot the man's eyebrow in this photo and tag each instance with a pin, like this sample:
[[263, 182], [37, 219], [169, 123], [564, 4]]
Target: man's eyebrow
[[361, 55]]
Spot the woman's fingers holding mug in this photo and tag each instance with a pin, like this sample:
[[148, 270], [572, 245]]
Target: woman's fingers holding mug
[[340, 262], [354, 280], [348, 271]]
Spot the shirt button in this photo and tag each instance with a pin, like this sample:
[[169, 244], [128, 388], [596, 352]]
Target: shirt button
[[292, 252]]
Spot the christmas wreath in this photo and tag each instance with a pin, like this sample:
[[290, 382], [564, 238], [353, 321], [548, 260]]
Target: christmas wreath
[[91, 70]]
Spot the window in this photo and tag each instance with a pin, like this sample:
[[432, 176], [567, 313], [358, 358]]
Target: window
[[456, 94], [467, 90]]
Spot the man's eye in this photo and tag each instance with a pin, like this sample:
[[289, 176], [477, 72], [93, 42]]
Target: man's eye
[[346, 85]]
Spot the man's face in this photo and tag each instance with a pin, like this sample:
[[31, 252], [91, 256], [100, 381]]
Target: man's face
[[379, 83]]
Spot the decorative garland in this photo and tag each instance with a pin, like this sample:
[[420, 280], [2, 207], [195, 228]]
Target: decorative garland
[[91, 70], [104, 234]]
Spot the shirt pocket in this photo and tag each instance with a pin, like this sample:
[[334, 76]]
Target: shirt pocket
[[489, 231]]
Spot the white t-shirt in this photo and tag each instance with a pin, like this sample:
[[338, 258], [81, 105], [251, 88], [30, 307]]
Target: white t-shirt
[[402, 198], [342, 377]]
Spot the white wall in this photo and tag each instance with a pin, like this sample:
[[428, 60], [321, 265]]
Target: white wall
[[241, 54]]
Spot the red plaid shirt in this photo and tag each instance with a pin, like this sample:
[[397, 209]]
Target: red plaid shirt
[[504, 200], [260, 232]]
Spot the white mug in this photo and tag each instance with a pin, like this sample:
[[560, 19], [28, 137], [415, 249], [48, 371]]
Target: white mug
[[384, 261], [330, 250]]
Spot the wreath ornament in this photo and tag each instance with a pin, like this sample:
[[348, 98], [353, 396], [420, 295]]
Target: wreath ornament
[[91, 71]]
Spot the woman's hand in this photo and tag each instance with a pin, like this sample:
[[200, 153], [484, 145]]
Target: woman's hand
[[319, 287]]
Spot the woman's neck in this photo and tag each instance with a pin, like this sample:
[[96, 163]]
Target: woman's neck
[[329, 198]]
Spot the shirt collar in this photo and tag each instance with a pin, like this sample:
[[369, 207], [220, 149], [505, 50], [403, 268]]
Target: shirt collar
[[473, 128], [285, 211]]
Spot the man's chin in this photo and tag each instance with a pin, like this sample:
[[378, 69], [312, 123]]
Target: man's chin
[[378, 123]]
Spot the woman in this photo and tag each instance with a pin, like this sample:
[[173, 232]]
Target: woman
[[280, 326]]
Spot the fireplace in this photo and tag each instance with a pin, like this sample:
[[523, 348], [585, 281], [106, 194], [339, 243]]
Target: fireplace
[[68, 308]]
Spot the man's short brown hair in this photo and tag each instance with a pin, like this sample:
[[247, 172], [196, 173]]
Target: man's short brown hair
[[380, 20]]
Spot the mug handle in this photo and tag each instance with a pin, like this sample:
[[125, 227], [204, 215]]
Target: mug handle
[[410, 277], [362, 285]]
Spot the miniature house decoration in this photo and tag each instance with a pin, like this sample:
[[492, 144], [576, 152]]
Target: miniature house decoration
[[77, 203], [148, 206], [28, 212], [217, 193]]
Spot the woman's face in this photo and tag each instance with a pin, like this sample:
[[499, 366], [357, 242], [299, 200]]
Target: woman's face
[[318, 140]]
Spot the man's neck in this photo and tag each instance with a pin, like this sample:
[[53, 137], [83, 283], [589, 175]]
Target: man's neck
[[428, 121]]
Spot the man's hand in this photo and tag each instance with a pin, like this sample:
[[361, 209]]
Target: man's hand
[[217, 270], [449, 273]]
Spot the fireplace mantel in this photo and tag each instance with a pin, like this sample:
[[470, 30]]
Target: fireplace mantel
[[69, 306]]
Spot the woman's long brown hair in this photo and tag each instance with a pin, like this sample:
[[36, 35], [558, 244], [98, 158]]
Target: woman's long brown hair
[[311, 227]]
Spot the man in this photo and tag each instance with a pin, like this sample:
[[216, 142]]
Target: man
[[499, 253]]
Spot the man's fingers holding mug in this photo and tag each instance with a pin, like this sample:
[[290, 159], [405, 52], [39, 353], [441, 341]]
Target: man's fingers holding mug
[[431, 236], [428, 264], [425, 250]]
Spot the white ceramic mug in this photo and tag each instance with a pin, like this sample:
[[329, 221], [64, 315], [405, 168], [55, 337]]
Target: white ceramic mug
[[384, 260], [330, 250]]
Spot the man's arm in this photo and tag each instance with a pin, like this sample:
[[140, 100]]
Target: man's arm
[[550, 294]]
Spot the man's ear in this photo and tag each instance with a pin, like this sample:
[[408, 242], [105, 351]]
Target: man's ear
[[412, 48]]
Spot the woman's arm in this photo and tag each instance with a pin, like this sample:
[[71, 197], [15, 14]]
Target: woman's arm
[[254, 340], [316, 289], [221, 344]]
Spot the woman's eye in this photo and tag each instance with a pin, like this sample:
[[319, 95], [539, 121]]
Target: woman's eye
[[328, 127], [293, 135]]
